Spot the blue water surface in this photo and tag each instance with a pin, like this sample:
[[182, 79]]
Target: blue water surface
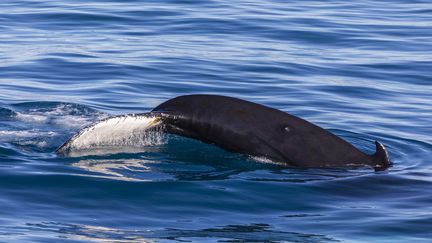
[[361, 69]]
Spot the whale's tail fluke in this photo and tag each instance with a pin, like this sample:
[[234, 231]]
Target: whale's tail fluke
[[381, 157]]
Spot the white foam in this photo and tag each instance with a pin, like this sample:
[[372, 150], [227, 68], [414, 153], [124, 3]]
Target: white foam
[[31, 117], [65, 115], [129, 130], [7, 135], [22, 134], [70, 121], [39, 144]]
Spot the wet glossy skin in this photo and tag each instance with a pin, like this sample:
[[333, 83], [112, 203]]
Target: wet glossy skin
[[257, 130]]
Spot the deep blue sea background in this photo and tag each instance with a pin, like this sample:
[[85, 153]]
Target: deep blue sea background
[[361, 69]]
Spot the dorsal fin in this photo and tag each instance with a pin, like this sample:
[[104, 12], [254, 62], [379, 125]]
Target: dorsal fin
[[381, 157]]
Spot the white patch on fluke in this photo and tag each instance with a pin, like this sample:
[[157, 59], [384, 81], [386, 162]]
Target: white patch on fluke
[[128, 131]]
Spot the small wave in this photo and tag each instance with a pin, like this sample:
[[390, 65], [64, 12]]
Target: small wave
[[6, 114]]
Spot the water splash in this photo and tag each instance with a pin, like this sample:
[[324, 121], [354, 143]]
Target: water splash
[[42, 126]]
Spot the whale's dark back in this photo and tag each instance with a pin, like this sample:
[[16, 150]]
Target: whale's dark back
[[254, 129]]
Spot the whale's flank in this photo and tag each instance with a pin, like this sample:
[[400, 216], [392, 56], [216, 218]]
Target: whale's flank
[[236, 125]]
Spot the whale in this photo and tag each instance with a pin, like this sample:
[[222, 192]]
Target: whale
[[235, 125]]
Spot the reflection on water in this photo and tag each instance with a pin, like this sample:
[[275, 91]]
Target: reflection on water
[[115, 169], [230, 233], [148, 168], [149, 137]]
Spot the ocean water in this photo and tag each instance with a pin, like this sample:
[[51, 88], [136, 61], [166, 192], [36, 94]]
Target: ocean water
[[361, 69]]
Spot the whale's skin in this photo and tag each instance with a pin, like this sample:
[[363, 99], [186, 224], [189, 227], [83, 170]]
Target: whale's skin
[[249, 128]]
